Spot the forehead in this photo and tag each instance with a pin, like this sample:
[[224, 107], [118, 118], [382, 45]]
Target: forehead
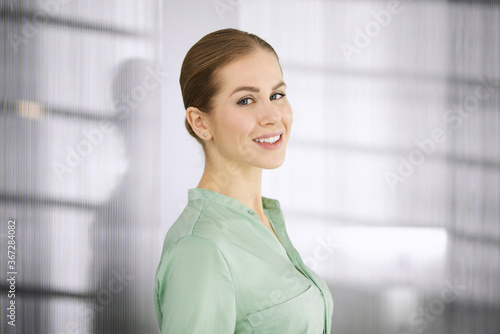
[[259, 69]]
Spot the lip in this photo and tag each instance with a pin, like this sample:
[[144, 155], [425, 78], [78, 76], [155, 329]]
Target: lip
[[269, 146], [273, 134]]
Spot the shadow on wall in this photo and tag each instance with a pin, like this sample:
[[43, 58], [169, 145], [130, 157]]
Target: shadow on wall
[[122, 277]]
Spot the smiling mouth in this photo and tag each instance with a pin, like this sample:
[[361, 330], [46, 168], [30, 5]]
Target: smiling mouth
[[270, 143], [270, 140]]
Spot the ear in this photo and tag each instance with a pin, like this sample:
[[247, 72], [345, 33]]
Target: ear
[[199, 121]]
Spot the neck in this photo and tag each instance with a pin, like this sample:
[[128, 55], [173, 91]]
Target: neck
[[241, 182]]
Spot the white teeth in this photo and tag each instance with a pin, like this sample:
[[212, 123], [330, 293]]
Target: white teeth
[[270, 140]]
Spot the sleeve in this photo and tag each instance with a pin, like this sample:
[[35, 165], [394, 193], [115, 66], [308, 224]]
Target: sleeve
[[195, 289]]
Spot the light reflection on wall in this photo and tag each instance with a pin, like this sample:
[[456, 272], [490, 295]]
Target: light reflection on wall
[[390, 245], [364, 255]]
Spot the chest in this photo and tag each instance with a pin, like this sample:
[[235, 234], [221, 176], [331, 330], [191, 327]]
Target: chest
[[273, 296]]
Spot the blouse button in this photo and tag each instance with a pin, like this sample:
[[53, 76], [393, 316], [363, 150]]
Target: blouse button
[[250, 212]]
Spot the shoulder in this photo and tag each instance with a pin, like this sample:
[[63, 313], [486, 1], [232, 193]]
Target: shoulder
[[193, 248], [191, 255], [203, 219]]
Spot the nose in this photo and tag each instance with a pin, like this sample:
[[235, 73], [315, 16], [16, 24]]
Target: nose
[[270, 114]]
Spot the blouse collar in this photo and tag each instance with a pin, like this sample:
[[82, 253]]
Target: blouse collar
[[269, 204]]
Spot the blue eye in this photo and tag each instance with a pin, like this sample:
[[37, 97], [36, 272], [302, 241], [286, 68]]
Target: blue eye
[[273, 97], [245, 101]]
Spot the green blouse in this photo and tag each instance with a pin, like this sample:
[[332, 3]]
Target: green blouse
[[222, 271]]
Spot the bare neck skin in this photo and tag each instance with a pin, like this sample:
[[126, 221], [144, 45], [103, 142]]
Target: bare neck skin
[[242, 183]]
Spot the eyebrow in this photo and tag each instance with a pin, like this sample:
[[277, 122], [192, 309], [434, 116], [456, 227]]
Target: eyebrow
[[255, 89]]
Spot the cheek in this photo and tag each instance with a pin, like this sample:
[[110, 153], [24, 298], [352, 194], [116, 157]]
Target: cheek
[[287, 115], [235, 123]]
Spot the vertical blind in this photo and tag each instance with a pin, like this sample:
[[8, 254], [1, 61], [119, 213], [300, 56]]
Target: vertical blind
[[80, 108]]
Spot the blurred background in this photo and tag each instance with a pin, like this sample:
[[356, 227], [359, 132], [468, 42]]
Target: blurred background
[[390, 188]]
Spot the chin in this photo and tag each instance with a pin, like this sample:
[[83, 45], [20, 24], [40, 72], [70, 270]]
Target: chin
[[273, 164]]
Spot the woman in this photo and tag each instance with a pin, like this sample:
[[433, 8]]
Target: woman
[[228, 265]]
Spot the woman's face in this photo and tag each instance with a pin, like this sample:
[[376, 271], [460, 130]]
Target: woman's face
[[251, 104]]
